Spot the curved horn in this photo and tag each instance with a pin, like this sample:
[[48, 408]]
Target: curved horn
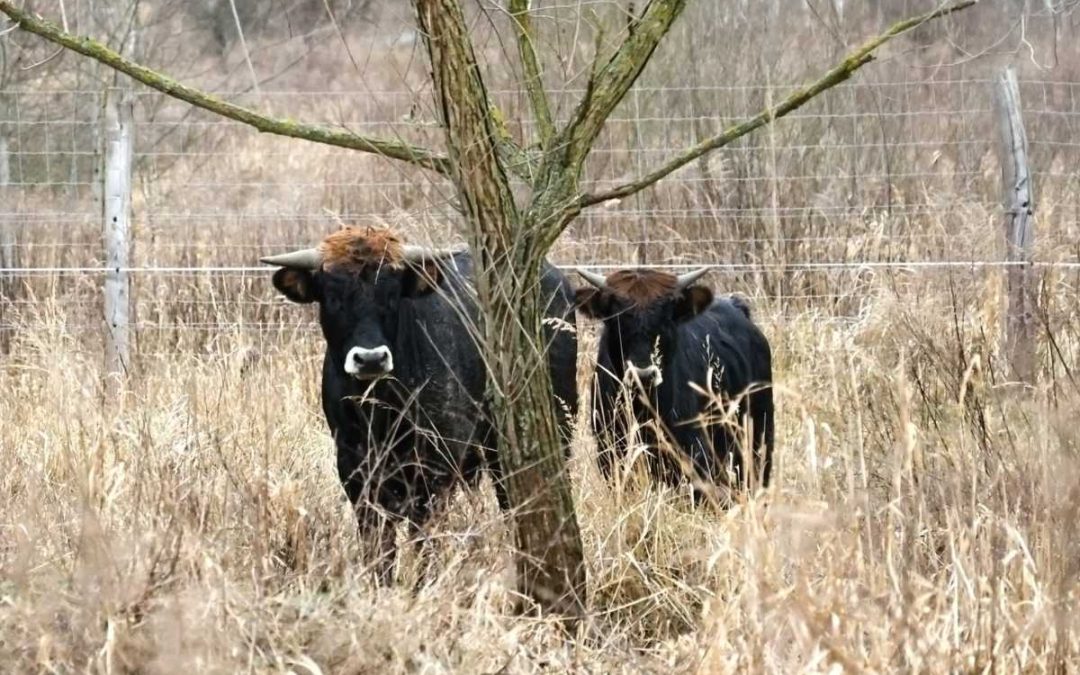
[[417, 254], [304, 259], [593, 278], [684, 280]]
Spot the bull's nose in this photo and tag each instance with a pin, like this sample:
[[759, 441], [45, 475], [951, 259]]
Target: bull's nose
[[362, 362], [649, 376]]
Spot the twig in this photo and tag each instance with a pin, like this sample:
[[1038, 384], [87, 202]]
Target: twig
[[611, 83], [393, 149], [243, 45], [3, 59], [838, 74], [341, 35], [43, 61]]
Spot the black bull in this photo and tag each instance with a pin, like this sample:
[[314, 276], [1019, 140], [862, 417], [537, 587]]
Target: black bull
[[404, 381], [664, 341]]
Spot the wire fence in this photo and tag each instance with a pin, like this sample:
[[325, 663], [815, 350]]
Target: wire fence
[[873, 188]]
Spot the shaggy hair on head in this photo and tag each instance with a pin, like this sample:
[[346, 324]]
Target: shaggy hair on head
[[354, 247], [642, 286]]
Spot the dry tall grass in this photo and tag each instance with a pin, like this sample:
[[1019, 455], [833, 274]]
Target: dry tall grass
[[923, 518], [925, 513]]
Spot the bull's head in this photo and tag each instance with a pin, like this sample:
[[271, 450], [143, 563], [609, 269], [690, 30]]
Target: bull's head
[[359, 299], [641, 310]]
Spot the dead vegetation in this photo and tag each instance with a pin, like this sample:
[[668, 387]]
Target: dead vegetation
[[923, 518], [925, 512]]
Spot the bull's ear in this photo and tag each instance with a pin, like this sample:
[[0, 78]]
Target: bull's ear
[[593, 302], [693, 301], [296, 285], [420, 280]]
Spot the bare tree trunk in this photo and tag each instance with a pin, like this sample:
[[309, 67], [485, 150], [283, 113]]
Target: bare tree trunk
[[550, 560]]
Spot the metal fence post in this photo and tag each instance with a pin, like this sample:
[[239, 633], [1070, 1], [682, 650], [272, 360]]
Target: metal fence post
[[1019, 201], [119, 144]]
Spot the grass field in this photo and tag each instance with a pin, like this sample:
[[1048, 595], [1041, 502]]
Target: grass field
[[925, 512], [923, 518]]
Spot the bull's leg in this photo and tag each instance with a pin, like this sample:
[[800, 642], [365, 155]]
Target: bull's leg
[[498, 480], [423, 546], [727, 466], [378, 541], [753, 464], [489, 447], [707, 452], [348, 466], [377, 532], [761, 412]]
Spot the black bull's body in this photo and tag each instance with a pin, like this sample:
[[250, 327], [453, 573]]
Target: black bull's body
[[680, 361], [403, 441], [404, 382]]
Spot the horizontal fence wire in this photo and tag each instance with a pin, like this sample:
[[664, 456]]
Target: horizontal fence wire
[[715, 267], [554, 91]]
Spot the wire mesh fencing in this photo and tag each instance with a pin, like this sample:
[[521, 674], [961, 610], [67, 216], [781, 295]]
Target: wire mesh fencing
[[874, 190]]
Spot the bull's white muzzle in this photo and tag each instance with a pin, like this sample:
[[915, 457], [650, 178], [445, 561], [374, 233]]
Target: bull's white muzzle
[[646, 376], [367, 364]]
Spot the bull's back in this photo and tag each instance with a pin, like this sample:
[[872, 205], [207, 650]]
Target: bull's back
[[455, 306], [727, 326], [746, 358], [721, 344]]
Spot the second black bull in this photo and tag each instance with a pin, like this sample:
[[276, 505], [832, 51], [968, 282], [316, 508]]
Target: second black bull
[[680, 361]]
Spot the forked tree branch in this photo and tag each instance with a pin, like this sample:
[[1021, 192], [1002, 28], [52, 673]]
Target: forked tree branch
[[852, 62], [534, 81], [393, 149], [522, 162], [611, 82]]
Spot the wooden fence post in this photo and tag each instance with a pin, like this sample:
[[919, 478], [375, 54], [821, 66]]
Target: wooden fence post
[[119, 144], [1019, 202], [7, 228], [8, 252]]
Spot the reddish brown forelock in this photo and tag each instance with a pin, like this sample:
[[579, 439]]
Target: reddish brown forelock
[[641, 286], [357, 247]]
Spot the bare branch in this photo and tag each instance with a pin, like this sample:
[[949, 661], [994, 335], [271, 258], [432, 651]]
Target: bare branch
[[243, 45], [282, 127], [614, 79], [534, 81], [522, 162], [858, 58]]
